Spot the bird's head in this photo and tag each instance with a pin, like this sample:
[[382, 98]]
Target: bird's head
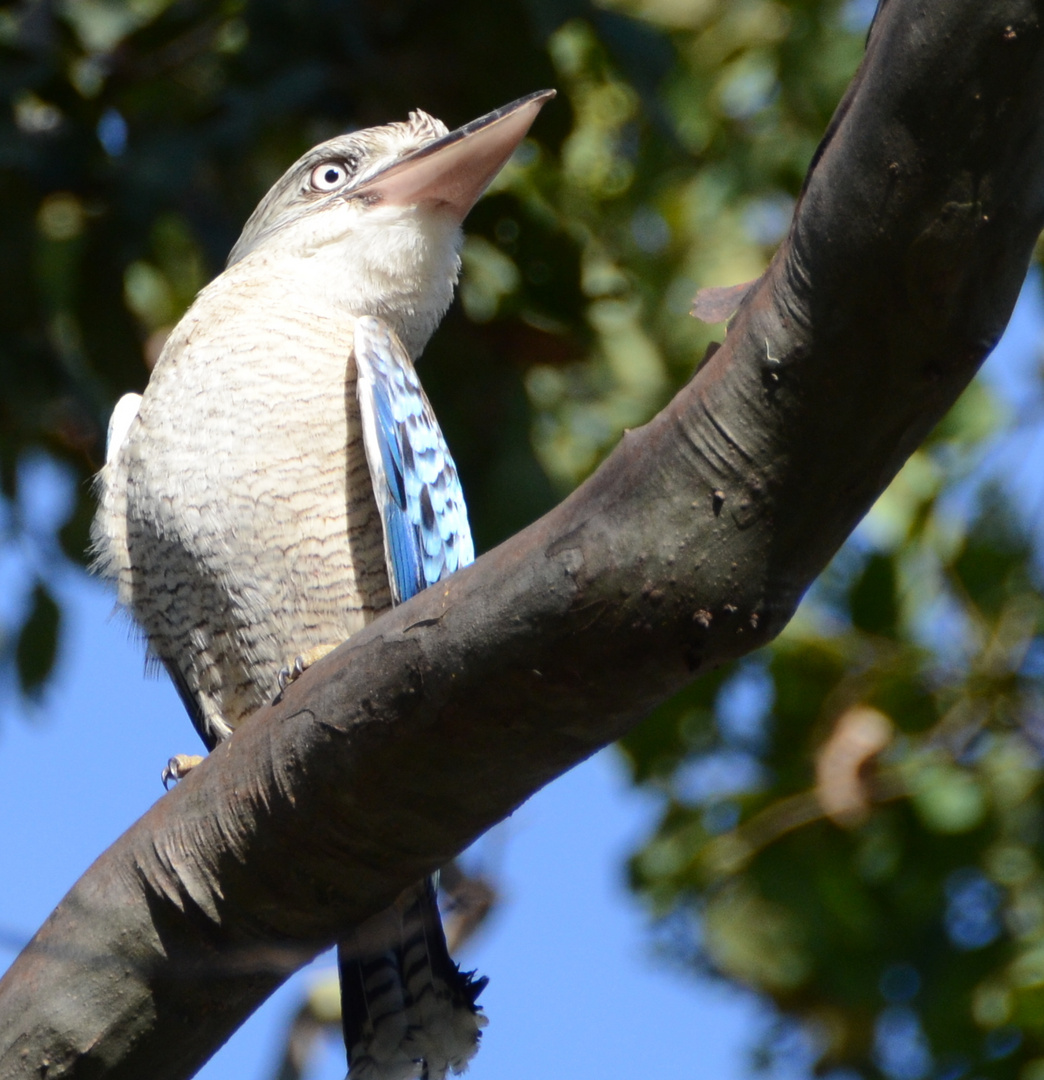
[[373, 218]]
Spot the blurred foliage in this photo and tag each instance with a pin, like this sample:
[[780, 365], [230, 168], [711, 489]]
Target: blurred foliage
[[852, 819]]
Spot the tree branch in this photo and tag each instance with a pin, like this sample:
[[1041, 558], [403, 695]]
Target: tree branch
[[691, 545]]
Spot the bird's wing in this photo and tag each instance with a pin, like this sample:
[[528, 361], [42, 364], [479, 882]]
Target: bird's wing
[[407, 1009], [425, 521], [109, 528]]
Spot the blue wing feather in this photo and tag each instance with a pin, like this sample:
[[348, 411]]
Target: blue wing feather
[[391, 457], [418, 492]]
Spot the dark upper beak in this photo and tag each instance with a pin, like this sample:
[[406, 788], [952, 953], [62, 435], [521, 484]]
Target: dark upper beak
[[455, 169]]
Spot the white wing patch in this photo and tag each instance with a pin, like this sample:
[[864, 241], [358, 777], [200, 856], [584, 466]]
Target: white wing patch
[[109, 550], [119, 424]]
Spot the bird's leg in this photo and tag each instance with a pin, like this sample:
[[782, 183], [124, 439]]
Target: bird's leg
[[301, 664], [179, 766]]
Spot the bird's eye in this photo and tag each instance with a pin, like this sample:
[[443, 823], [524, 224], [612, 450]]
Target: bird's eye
[[328, 176]]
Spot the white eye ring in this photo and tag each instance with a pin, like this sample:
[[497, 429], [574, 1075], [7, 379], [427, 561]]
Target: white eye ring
[[328, 176]]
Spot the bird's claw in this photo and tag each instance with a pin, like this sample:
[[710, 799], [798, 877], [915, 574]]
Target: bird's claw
[[301, 664], [179, 766], [287, 675]]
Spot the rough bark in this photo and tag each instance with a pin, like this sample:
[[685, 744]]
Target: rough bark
[[692, 544]]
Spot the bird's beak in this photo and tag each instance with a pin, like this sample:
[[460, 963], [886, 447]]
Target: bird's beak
[[454, 170]]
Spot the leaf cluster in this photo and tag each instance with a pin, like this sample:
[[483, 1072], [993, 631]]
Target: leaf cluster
[[852, 820]]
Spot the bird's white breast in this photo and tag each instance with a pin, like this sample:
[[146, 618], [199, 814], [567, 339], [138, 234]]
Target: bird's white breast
[[252, 531]]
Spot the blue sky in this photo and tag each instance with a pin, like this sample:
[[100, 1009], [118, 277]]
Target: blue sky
[[575, 990], [574, 985]]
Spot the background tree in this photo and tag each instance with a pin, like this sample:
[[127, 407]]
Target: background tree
[[851, 819]]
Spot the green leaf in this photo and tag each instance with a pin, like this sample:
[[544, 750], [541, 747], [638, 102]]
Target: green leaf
[[872, 602], [38, 642]]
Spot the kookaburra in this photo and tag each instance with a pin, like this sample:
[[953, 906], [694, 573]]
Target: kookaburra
[[283, 480]]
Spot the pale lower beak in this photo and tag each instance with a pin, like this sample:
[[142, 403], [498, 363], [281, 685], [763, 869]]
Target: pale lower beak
[[454, 170]]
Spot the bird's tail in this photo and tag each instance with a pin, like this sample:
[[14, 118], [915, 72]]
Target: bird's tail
[[407, 1009]]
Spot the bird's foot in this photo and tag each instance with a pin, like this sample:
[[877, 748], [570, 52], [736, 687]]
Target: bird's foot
[[179, 766], [292, 672], [301, 664]]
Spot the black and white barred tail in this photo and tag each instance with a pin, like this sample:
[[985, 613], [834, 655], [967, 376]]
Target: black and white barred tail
[[407, 1009]]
